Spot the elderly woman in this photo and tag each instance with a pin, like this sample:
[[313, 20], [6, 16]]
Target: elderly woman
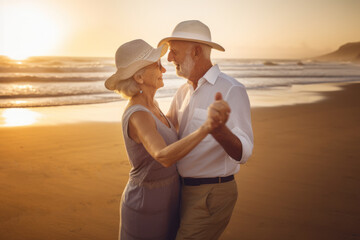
[[150, 201]]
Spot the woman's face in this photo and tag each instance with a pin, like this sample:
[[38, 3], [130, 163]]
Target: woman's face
[[153, 75]]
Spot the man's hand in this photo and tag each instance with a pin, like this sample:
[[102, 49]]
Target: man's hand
[[219, 110]]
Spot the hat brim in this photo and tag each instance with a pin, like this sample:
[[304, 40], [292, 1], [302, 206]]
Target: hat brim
[[129, 71], [211, 44]]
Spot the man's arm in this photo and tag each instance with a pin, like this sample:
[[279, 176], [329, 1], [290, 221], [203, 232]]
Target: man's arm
[[171, 114], [222, 134], [229, 141], [236, 137]]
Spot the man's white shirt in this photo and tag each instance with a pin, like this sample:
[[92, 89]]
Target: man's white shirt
[[189, 110]]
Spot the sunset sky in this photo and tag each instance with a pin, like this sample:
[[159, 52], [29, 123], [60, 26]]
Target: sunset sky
[[246, 28]]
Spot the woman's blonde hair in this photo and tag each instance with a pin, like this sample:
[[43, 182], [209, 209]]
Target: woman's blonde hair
[[129, 87]]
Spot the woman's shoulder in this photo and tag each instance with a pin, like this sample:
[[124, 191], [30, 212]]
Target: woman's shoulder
[[135, 107], [130, 109], [137, 113], [136, 117]]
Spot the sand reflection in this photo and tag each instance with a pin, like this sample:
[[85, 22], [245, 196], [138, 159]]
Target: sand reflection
[[291, 95], [19, 117]]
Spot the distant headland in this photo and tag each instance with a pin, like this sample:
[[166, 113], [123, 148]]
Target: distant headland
[[349, 52]]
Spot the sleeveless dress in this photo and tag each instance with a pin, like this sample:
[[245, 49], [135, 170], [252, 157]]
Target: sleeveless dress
[[150, 201]]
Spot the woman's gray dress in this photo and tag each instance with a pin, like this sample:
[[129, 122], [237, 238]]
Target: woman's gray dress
[[150, 201]]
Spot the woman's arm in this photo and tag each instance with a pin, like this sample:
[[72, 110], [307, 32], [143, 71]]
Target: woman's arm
[[142, 129]]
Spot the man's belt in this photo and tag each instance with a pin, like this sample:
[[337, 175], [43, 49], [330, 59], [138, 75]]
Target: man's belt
[[199, 181]]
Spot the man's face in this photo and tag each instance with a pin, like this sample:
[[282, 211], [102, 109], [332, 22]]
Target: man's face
[[180, 55]]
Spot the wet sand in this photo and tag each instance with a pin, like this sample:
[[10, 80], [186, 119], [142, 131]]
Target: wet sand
[[302, 182]]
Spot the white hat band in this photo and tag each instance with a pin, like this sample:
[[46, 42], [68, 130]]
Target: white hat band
[[191, 35]]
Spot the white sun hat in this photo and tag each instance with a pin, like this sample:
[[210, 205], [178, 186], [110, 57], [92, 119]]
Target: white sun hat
[[131, 57], [193, 31]]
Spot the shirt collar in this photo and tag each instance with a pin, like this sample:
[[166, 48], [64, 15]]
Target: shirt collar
[[212, 74]]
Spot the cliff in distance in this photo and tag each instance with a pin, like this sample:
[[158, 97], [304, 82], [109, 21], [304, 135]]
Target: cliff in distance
[[349, 52]]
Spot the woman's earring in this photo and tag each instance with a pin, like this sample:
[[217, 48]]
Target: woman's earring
[[140, 91]]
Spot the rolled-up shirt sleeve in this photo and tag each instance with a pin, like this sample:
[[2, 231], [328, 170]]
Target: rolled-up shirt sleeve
[[240, 120], [172, 112], [176, 102]]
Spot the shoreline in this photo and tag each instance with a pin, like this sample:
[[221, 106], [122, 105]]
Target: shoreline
[[65, 181], [112, 111]]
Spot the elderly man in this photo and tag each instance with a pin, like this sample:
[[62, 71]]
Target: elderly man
[[209, 192]]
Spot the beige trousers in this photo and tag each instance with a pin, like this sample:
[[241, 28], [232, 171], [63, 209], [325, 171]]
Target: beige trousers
[[206, 210]]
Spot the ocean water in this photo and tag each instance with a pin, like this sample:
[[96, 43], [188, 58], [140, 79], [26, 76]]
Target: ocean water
[[57, 81]]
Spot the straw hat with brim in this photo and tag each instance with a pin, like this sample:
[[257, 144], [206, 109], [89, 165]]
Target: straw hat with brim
[[192, 31], [131, 57]]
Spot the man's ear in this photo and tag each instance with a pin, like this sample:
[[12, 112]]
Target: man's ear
[[197, 51], [138, 78]]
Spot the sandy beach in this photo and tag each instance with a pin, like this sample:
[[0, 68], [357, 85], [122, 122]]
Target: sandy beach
[[302, 182]]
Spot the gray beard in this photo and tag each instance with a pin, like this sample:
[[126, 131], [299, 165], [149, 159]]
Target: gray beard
[[187, 67]]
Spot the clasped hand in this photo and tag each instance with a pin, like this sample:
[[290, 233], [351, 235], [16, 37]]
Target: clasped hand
[[218, 113]]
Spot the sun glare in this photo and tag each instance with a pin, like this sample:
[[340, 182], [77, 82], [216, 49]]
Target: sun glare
[[19, 117], [28, 30]]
